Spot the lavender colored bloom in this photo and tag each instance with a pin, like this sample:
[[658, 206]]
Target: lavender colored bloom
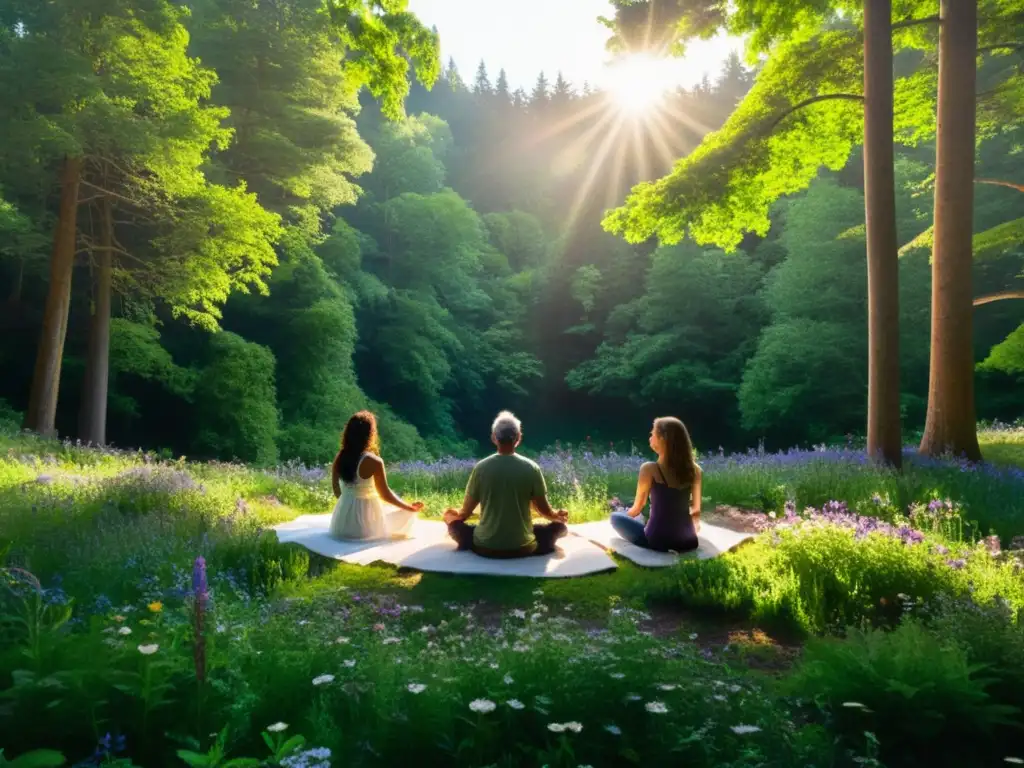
[[956, 564], [200, 588]]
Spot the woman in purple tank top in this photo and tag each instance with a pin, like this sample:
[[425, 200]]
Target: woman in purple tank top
[[673, 484]]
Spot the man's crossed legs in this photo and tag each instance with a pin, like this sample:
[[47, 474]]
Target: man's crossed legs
[[546, 534]]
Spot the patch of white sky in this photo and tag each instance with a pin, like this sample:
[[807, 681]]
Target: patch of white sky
[[526, 37]]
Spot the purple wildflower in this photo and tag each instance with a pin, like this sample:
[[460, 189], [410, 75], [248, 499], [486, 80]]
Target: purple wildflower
[[201, 595], [200, 588], [957, 563]]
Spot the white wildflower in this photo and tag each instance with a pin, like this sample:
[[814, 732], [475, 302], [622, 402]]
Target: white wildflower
[[149, 650], [667, 686], [277, 727], [656, 707], [391, 640], [349, 663], [518, 613], [342, 641], [614, 730], [574, 726], [483, 706], [323, 679], [693, 635], [853, 705], [124, 631], [416, 687], [556, 727], [508, 680], [515, 704], [617, 676]]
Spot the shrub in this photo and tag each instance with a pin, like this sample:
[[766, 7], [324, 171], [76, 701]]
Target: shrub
[[821, 576], [914, 688], [236, 401], [992, 636], [10, 419]]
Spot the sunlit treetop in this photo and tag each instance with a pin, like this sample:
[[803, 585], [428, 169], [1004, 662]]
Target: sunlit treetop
[[727, 185], [803, 113], [382, 38]]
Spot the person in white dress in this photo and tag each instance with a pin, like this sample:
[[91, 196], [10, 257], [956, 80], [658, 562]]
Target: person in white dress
[[367, 508]]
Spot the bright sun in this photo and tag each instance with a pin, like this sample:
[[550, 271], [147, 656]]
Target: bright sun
[[639, 82]]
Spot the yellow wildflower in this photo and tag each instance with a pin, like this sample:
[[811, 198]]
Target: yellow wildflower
[[156, 606]]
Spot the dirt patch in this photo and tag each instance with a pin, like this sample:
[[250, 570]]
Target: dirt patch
[[736, 519]]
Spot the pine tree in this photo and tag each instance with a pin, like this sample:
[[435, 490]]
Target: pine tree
[[562, 93], [452, 76], [520, 99], [482, 84], [501, 90], [540, 97]]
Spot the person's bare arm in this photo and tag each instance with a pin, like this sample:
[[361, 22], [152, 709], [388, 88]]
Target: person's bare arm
[[380, 480], [540, 503], [469, 505], [643, 490], [695, 493]]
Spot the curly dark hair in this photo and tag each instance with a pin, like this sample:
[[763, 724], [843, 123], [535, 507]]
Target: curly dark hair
[[359, 437]]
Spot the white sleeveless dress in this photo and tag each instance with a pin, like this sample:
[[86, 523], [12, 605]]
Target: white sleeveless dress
[[362, 514]]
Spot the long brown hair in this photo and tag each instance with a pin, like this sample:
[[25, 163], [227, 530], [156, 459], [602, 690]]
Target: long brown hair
[[678, 449], [359, 437]]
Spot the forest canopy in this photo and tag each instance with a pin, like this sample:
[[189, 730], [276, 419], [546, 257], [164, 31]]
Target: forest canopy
[[289, 211]]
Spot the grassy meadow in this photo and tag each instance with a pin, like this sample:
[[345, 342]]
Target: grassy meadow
[[150, 618]]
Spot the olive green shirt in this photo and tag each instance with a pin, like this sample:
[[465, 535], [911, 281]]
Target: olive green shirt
[[504, 486]]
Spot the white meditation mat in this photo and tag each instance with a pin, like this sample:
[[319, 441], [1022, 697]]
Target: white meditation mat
[[714, 541], [430, 549]]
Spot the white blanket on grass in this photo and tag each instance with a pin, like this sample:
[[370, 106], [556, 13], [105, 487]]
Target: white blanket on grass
[[714, 541], [430, 549]]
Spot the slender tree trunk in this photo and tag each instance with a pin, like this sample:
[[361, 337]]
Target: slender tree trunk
[[42, 404], [92, 420], [951, 424], [884, 433]]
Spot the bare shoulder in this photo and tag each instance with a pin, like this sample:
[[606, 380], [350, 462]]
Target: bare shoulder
[[697, 471], [647, 468]]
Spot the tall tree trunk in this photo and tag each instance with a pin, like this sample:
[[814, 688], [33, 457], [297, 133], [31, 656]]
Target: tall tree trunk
[[884, 433], [92, 422], [951, 422], [42, 405]]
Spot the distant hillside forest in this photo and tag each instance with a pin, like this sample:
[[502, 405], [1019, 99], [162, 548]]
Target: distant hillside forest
[[435, 267]]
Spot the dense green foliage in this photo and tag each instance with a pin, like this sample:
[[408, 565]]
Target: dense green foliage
[[439, 264]]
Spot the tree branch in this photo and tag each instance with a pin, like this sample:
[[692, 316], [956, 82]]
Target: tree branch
[[90, 249], [1001, 183], [1002, 47], [915, 22], [108, 193], [988, 298], [814, 100]]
